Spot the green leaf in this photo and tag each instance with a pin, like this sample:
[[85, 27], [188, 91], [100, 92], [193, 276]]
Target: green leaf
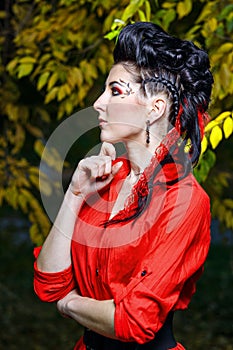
[[147, 10], [131, 9], [142, 16], [112, 35], [169, 17], [225, 12], [25, 69], [42, 80]]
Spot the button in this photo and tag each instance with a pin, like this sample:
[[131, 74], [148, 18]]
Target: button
[[97, 272], [143, 273]]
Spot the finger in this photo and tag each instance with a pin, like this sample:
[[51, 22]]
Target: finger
[[105, 180], [108, 165], [102, 167], [116, 167], [108, 149]]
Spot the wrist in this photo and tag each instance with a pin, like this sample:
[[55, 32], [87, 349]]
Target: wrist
[[71, 193]]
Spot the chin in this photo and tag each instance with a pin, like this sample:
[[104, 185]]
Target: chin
[[108, 138]]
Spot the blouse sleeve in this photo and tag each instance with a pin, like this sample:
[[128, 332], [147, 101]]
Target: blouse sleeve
[[51, 287], [165, 278]]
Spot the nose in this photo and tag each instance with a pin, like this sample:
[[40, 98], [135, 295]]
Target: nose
[[100, 104]]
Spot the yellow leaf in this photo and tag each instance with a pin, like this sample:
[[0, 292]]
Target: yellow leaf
[[102, 64], [228, 127], [52, 81], [38, 147], [25, 69], [2, 193], [61, 93], [184, 8], [23, 203], [45, 187], [214, 58], [43, 114], [51, 95], [204, 145], [42, 80], [60, 55], [210, 125], [130, 10], [3, 14], [142, 16], [207, 10], [27, 59], [224, 48], [77, 73], [168, 5], [225, 75], [215, 136], [148, 10], [228, 203], [212, 24], [11, 65], [12, 112], [222, 116], [34, 180], [68, 107], [45, 58], [35, 131]]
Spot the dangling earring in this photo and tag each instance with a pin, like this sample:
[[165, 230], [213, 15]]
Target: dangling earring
[[147, 131]]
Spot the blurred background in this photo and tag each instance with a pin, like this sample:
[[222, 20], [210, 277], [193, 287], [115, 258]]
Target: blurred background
[[54, 60]]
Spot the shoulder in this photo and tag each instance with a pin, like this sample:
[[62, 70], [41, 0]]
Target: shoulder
[[181, 206]]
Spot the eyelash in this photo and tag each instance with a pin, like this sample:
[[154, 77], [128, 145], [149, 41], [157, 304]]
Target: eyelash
[[116, 91]]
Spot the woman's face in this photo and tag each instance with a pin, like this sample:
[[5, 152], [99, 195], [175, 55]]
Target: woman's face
[[122, 114]]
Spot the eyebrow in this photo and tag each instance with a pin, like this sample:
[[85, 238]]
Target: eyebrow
[[121, 83]]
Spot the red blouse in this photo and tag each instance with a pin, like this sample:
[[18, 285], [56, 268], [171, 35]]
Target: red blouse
[[148, 265]]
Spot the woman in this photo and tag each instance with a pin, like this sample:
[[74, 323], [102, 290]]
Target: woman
[[133, 232]]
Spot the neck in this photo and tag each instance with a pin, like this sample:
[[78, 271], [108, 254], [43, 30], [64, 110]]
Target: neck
[[140, 155]]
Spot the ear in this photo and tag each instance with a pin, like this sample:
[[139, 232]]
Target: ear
[[157, 108]]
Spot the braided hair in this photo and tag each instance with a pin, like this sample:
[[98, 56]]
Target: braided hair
[[178, 67]]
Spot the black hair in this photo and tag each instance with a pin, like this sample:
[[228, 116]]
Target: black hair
[[164, 62]]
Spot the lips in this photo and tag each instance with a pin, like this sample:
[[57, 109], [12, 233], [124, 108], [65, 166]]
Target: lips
[[102, 121]]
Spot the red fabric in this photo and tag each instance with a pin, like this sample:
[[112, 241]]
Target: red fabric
[[149, 266], [52, 286]]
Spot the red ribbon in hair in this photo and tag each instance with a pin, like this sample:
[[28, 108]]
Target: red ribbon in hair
[[203, 119], [178, 122]]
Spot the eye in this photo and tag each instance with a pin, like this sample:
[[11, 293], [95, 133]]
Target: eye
[[116, 91]]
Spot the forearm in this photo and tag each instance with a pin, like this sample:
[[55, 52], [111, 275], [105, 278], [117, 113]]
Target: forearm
[[90, 313], [55, 253]]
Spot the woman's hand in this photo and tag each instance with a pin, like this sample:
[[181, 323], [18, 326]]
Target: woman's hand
[[95, 172]]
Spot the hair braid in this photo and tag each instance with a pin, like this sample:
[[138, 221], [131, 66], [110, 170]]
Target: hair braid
[[170, 87]]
